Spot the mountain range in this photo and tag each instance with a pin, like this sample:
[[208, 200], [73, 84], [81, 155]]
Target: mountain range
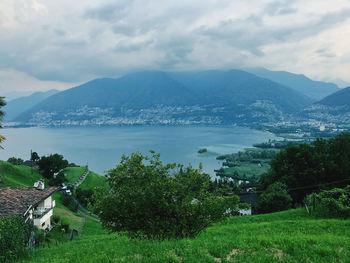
[[156, 97], [316, 90], [17, 106], [334, 108]]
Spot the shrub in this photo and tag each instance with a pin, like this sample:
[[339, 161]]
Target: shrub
[[14, 237], [275, 198], [332, 203], [69, 202], [15, 161], [65, 222], [150, 200], [84, 196], [56, 219], [39, 236]]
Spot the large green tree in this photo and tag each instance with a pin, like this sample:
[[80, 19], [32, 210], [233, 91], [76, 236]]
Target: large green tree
[[310, 168], [151, 200], [49, 165]]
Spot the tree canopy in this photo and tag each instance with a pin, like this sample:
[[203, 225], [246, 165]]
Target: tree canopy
[[310, 168], [151, 200], [49, 165]]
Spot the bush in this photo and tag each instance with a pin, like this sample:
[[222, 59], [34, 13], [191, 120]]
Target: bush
[[60, 178], [56, 219], [14, 238], [65, 222], [15, 161], [69, 202], [39, 236], [274, 199], [150, 200], [331, 203], [84, 196]]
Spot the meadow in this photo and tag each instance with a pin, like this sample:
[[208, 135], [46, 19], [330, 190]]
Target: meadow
[[289, 236]]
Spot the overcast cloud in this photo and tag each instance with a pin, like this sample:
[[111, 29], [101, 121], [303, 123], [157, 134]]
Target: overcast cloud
[[67, 42]]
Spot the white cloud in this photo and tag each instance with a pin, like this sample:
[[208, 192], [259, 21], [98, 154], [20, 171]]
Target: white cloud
[[12, 81], [74, 41]]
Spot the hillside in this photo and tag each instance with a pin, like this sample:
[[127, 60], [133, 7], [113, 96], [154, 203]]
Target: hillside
[[17, 106], [337, 99], [316, 90], [17, 175], [335, 108], [154, 97], [289, 236]]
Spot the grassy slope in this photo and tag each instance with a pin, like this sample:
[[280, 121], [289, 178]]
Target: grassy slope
[[17, 175], [74, 173], [93, 180], [290, 236]]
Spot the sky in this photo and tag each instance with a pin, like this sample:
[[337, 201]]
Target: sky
[[47, 44]]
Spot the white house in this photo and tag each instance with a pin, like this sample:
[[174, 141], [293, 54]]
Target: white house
[[32, 203]]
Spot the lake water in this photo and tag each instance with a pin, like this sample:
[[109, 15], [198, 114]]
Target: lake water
[[102, 147]]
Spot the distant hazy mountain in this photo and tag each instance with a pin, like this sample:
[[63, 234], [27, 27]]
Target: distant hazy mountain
[[334, 108], [316, 90], [17, 106], [337, 99], [154, 97], [240, 87]]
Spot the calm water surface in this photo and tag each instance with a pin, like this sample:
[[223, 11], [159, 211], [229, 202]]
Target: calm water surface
[[102, 147]]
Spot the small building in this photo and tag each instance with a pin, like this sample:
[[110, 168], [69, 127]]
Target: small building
[[32, 203], [250, 198]]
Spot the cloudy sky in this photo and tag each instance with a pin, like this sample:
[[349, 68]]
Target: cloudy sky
[[48, 44]]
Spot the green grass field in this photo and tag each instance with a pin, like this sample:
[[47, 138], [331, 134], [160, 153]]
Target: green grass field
[[74, 173], [93, 180], [17, 175], [289, 236], [249, 169]]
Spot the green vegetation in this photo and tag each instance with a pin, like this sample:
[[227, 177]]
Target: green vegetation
[[331, 203], [49, 165], [275, 198], [14, 237], [289, 236], [203, 150], [156, 201], [94, 180], [15, 161], [17, 175], [74, 173], [305, 169], [249, 164]]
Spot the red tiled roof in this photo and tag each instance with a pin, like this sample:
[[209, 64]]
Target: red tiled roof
[[14, 201]]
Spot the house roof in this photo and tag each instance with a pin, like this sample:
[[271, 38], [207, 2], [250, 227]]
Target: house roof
[[15, 201]]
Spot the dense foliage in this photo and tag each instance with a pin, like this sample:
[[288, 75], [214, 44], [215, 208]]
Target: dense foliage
[[84, 196], [69, 202], [305, 169], [274, 199], [156, 201], [15, 161], [49, 165], [331, 203], [14, 237]]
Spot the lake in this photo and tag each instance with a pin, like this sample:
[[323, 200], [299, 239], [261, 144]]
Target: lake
[[102, 147]]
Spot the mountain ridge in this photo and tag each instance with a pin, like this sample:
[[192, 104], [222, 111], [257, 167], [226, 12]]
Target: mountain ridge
[[157, 97]]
